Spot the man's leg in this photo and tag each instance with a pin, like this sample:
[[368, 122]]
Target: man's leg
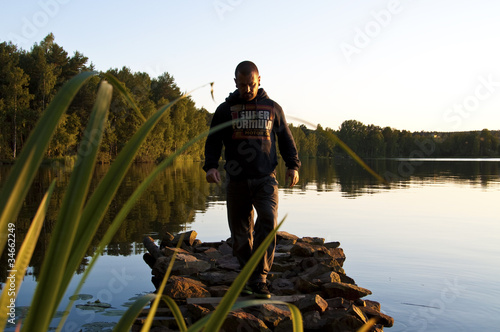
[[240, 218], [265, 200]]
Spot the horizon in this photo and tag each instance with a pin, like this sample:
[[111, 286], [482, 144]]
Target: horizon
[[405, 65]]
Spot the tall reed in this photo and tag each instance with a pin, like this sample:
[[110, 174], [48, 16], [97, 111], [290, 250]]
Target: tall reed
[[80, 215]]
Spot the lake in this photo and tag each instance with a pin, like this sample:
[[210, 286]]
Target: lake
[[427, 244]]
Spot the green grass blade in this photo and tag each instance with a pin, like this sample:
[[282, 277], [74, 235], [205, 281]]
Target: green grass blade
[[120, 217], [119, 86], [101, 198], [122, 214], [131, 314], [20, 178], [347, 149], [149, 320], [23, 256], [295, 314], [217, 319], [129, 317], [358, 159], [176, 312], [368, 325], [45, 302]]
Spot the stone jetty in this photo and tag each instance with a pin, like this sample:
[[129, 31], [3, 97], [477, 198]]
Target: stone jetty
[[307, 272]]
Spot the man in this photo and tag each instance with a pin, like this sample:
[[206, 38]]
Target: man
[[251, 159]]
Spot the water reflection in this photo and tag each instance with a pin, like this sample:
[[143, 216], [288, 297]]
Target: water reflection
[[169, 205]]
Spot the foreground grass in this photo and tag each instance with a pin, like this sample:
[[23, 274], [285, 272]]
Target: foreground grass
[[80, 215]]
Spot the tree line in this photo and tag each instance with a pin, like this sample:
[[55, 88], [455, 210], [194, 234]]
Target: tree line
[[30, 79], [370, 141]]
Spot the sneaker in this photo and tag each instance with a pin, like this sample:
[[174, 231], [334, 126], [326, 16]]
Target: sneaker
[[260, 290]]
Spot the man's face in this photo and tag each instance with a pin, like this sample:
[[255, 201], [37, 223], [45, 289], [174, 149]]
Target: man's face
[[248, 85]]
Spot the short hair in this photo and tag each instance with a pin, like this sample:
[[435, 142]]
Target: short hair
[[246, 68]]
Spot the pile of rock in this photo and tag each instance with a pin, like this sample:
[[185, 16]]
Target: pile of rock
[[306, 272]]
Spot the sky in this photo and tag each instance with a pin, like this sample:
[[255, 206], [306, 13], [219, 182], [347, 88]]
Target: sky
[[417, 65]]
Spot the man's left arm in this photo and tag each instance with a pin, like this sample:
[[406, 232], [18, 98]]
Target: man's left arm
[[287, 147]]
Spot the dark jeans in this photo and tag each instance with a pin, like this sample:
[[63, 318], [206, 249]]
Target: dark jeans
[[242, 197]]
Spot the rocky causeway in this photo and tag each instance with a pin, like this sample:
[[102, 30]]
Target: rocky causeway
[[307, 272]]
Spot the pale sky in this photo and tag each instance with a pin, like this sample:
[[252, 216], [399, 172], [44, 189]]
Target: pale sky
[[408, 64]]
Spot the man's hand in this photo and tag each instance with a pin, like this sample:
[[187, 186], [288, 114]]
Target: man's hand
[[213, 176], [293, 175]]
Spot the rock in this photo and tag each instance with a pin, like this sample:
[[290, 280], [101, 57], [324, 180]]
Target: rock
[[166, 241], [218, 291], [225, 249], [283, 286], [197, 312], [372, 304], [313, 240], [312, 321], [356, 312], [330, 245], [184, 265], [284, 248], [213, 278], [304, 286], [282, 267], [188, 238], [282, 257], [286, 238], [326, 278], [347, 291], [344, 323], [338, 303], [273, 315], [169, 251], [149, 259], [303, 249], [228, 262], [383, 319], [153, 249], [338, 255], [182, 288], [212, 253], [312, 303], [242, 321]]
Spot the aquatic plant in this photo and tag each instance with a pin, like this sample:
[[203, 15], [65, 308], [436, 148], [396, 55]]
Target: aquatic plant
[[80, 215]]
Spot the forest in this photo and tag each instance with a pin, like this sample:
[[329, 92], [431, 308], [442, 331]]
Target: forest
[[30, 79]]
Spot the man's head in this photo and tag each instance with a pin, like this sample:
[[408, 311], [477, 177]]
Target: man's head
[[247, 80]]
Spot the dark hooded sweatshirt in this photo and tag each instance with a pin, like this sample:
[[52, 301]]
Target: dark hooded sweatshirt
[[250, 140]]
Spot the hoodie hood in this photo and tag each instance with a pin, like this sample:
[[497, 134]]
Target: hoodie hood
[[234, 97]]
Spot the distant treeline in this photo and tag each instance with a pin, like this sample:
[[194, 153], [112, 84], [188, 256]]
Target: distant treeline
[[370, 141], [30, 79]]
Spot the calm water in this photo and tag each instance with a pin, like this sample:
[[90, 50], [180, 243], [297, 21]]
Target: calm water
[[427, 245]]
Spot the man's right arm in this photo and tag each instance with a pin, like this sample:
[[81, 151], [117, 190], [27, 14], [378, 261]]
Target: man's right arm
[[213, 146], [213, 175]]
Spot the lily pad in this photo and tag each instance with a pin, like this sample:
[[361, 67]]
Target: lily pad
[[80, 297], [115, 313], [98, 327], [96, 306]]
